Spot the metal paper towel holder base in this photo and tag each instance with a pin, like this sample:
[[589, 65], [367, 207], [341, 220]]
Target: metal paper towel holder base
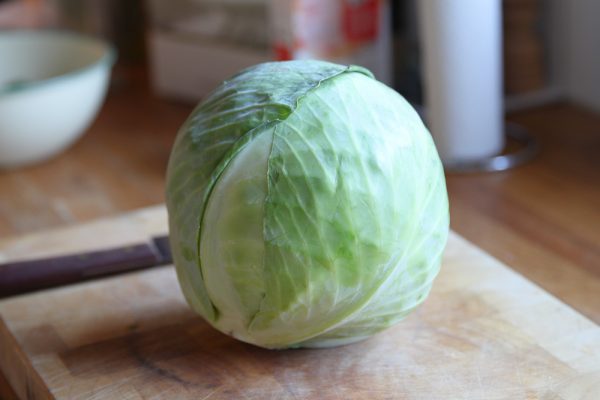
[[527, 150]]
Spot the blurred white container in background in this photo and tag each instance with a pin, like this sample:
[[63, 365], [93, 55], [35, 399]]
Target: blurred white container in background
[[52, 85], [195, 44], [461, 42]]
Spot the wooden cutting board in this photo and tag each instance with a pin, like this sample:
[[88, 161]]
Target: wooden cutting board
[[484, 333]]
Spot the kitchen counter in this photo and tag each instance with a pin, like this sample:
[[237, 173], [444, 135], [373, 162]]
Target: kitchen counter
[[541, 219]]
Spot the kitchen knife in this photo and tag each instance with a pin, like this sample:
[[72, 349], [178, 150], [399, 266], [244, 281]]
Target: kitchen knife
[[25, 276]]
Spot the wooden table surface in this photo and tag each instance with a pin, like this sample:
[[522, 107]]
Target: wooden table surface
[[541, 219], [133, 336]]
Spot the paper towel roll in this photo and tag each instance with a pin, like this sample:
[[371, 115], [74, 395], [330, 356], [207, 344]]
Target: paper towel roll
[[461, 43]]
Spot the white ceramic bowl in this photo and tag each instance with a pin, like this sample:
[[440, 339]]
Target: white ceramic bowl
[[51, 86]]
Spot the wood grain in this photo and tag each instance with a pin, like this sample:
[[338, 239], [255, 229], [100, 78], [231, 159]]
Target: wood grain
[[484, 332], [542, 219], [524, 69], [6, 391]]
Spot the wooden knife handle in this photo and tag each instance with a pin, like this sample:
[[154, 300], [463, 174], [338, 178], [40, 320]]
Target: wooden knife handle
[[25, 276]]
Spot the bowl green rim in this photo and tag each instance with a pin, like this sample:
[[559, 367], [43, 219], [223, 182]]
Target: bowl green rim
[[108, 58]]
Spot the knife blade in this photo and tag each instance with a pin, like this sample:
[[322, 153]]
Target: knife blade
[[20, 277]]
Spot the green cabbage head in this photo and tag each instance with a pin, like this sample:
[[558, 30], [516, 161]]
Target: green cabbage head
[[307, 206]]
